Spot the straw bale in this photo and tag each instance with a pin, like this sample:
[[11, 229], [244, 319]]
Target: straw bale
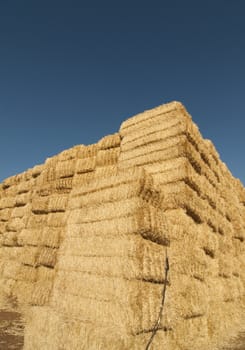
[[56, 219], [51, 237], [41, 292], [29, 255], [109, 141], [40, 205], [104, 171], [45, 273], [105, 246], [225, 265], [22, 199], [65, 169], [85, 165], [71, 333], [44, 190], [131, 258], [2, 227], [83, 178], [36, 221], [23, 290], [15, 224], [106, 211], [10, 268], [29, 237], [48, 175], [152, 133], [121, 177], [69, 154], [172, 138], [63, 185], [11, 253], [7, 202], [89, 309], [57, 203], [5, 214], [10, 239], [156, 156], [47, 256], [85, 195], [107, 157], [27, 273], [149, 117], [88, 151], [25, 186], [10, 181], [37, 170], [19, 212]]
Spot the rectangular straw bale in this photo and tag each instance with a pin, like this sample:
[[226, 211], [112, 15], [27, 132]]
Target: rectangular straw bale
[[45, 273], [63, 185], [41, 293], [175, 149], [2, 228], [106, 194], [147, 118], [22, 199], [83, 178], [56, 219], [172, 138], [27, 273], [29, 237], [68, 154], [111, 266], [37, 170], [44, 190], [11, 268], [48, 175], [57, 203], [39, 205], [104, 171], [25, 186], [122, 225], [29, 255], [88, 309], [65, 169], [122, 177], [23, 290], [5, 214], [105, 246], [10, 239], [51, 237], [152, 133], [11, 253], [7, 202], [88, 151], [15, 224], [47, 256], [107, 157], [105, 211], [109, 141], [20, 212], [225, 265], [85, 165]]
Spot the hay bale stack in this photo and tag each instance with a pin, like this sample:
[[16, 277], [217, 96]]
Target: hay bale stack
[[83, 241]]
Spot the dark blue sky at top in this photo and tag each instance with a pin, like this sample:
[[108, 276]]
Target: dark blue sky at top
[[72, 71]]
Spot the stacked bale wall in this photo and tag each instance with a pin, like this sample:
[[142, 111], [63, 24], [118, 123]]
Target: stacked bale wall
[[85, 236]]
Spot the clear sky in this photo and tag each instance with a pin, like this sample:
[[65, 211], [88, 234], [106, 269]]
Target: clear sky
[[71, 71]]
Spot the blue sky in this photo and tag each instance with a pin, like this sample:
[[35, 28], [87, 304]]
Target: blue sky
[[72, 71]]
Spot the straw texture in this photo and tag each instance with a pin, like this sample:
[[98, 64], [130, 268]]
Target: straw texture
[[84, 239]]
